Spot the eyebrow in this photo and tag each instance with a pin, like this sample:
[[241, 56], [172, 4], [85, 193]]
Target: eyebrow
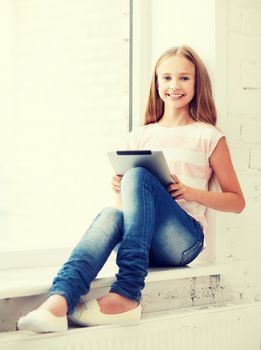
[[182, 73]]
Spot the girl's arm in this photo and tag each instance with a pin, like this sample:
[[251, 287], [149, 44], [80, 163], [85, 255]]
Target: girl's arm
[[231, 198]]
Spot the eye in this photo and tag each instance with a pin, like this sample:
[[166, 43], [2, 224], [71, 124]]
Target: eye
[[166, 77], [184, 78]]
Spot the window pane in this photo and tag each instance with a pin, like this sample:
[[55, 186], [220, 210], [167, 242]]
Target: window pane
[[67, 70]]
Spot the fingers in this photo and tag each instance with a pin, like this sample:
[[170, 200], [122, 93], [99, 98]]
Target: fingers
[[116, 187], [175, 178], [116, 183], [173, 187], [117, 178], [177, 194], [176, 190]]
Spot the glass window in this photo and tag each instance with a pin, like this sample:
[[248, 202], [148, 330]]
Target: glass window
[[65, 85]]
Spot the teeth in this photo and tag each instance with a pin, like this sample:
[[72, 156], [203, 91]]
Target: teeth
[[175, 95]]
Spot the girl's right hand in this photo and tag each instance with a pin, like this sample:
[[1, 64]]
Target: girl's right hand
[[116, 183]]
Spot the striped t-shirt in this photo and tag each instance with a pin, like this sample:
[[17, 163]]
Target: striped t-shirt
[[187, 150]]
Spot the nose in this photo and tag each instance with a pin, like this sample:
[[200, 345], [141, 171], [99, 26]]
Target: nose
[[174, 84]]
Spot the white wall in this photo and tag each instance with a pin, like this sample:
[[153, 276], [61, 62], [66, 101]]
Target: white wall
[[243, 125], [188, 22]]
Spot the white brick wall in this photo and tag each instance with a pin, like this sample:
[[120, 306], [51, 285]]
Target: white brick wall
[[250, 22], [251, 73], [243, 127], [255, 157]]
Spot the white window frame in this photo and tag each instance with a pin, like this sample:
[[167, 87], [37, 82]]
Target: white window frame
[[141, 58]]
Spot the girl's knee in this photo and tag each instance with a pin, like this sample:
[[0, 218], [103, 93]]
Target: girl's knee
[[137, 171], [111, 213], [110, 210], [135, 174]]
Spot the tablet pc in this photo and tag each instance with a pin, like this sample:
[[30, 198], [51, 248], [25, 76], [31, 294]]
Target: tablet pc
[[154, 161]]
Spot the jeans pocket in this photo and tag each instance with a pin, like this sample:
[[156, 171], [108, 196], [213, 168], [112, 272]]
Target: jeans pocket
[[191, 253]]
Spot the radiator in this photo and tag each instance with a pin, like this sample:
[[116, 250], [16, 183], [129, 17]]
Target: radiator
[[214, 328]]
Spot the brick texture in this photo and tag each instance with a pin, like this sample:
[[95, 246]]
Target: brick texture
[[243, 128]]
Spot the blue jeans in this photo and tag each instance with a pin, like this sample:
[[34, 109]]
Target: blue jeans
[[151, 230]]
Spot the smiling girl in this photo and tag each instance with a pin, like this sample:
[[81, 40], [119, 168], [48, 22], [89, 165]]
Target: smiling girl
[[156, 226]]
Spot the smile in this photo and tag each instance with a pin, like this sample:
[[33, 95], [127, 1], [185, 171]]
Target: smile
[[175, 96]]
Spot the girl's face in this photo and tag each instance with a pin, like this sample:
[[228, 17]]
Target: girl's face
[[176, 81]]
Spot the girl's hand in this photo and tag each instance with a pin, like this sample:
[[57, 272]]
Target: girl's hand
[[116, 183], [178, 190]]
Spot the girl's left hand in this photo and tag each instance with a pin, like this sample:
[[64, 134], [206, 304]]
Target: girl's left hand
[[180, 191]]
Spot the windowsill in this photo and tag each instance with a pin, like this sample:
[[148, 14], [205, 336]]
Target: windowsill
[[35, 281]]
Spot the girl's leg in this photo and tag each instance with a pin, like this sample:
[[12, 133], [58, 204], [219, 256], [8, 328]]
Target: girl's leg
[[151, 219], [88, 257], [153, 225], [178, 238], [75, 277]]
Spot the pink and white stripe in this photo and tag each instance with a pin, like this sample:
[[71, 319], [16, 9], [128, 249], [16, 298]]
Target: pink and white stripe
[[187, 150]]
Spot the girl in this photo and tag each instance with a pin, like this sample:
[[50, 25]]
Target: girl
[[156, 226]]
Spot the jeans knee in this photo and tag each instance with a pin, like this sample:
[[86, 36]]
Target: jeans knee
[[137, 171], [111, 213], [134, 175]]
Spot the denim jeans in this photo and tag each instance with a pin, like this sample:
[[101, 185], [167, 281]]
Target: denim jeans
[[151, 230]]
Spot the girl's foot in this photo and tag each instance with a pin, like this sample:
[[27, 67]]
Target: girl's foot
[[113, 303], [56, 304], [49, 317], [110, 309]]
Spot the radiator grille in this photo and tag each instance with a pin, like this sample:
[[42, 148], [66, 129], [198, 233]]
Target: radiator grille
[[223, 328]]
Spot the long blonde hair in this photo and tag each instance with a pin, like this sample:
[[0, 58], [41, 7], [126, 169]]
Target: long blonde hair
[[202, 106]]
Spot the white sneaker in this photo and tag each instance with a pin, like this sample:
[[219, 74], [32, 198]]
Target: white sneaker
[[89, 314], [42, 321]]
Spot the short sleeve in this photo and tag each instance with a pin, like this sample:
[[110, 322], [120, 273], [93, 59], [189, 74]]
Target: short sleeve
[[215, 136]]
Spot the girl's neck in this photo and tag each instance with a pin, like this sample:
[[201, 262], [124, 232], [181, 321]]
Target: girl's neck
[[175, 118]]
